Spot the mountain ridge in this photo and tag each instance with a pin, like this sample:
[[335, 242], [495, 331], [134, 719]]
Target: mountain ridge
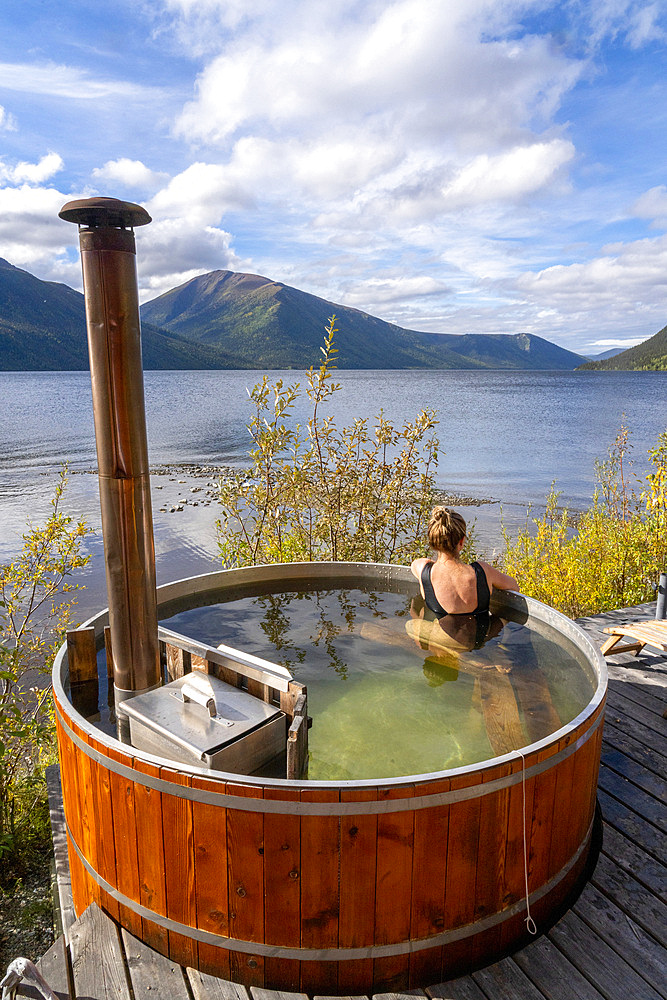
[[227, 319], [43, 328], [270, 325], [650, 355]]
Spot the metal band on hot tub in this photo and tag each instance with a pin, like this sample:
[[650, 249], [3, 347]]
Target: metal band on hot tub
[[299, 808], [331, 954]]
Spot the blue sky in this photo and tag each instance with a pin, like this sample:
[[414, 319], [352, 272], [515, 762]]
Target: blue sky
[[488, 166]]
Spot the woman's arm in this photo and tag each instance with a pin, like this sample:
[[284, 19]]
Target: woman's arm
[[497, 579], [416, 567]]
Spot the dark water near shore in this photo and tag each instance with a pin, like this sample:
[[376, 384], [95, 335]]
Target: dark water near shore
[[505, 436]]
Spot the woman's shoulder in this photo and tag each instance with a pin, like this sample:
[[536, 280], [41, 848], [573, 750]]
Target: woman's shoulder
[[417, 566], [496, 577]]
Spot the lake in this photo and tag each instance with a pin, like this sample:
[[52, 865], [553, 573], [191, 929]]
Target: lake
[[505, 436]]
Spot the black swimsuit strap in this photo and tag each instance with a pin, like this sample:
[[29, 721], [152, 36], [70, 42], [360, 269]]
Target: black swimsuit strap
[[432, 603], [483, 592]]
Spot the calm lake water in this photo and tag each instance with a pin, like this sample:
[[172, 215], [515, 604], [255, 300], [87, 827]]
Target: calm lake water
[[505, 436]]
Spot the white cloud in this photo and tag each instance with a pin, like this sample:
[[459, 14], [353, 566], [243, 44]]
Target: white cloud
[[7, 121], [509, 176], [32, 173], [55, 80], [185, 237], [201, 194], [652, 205], [626, 288], [404, 71], [33, 237], [378, 292], [129, 173], [603, 345]]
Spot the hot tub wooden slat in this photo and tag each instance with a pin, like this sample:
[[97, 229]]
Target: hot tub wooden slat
[[394, 888], [87, 839], [541, 822], [282, 889], [245, 846], [106, 853], [150, 856], [320, 890], [560, 848], [125, 841], [584, 774], [428, 884], [212, 889], [178, 841], [491, 875], [178, 661], [514, 859], [358, 862], [461, 878], [80, 882]]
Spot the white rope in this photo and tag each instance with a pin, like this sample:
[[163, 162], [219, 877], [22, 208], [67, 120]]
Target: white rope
[[530, 923]]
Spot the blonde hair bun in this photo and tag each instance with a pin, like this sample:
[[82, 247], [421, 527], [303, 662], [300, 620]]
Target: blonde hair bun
[[446, 529]]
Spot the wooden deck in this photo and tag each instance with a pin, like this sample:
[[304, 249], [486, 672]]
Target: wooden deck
[[611, 944]]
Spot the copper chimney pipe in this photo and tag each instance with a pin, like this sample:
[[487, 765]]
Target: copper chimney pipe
[[108, 257]]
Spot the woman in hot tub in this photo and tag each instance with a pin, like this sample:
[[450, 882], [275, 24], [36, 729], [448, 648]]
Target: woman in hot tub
[[450, 586]]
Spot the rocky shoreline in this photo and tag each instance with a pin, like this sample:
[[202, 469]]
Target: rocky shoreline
[[215, 474]]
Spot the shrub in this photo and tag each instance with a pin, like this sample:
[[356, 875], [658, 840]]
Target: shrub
[[610, 556], [36, 606], [357, 493]]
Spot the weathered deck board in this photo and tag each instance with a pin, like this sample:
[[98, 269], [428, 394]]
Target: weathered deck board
[[206, 987], [634, 826], [505, 978], [635, 798], [98, 965], [624, 935], [649, 697], [258, 993], [643, 907], [151, 973], [646, 734], [651, 872], [618, 739], [609, 946], [595, 959], [54, 967], [457, 989], [557, 977], [631, 769], [67, 916]]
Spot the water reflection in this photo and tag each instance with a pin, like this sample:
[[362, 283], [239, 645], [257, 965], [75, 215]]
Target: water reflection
[[392, 690]]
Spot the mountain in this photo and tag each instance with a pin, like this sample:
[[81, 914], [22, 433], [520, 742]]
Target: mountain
[[611, 353], [271, 325], [229, 320], [43, 328], [650, 355], [517, 350]]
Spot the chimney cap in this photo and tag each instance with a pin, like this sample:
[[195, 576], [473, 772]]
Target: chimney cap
[[104, 212]]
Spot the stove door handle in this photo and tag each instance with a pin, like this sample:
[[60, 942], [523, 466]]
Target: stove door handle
[[206, 699]]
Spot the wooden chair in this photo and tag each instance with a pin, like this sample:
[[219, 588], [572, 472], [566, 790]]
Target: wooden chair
[[650, 633]]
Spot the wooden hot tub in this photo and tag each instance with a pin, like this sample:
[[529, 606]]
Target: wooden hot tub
[[328, 887]]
